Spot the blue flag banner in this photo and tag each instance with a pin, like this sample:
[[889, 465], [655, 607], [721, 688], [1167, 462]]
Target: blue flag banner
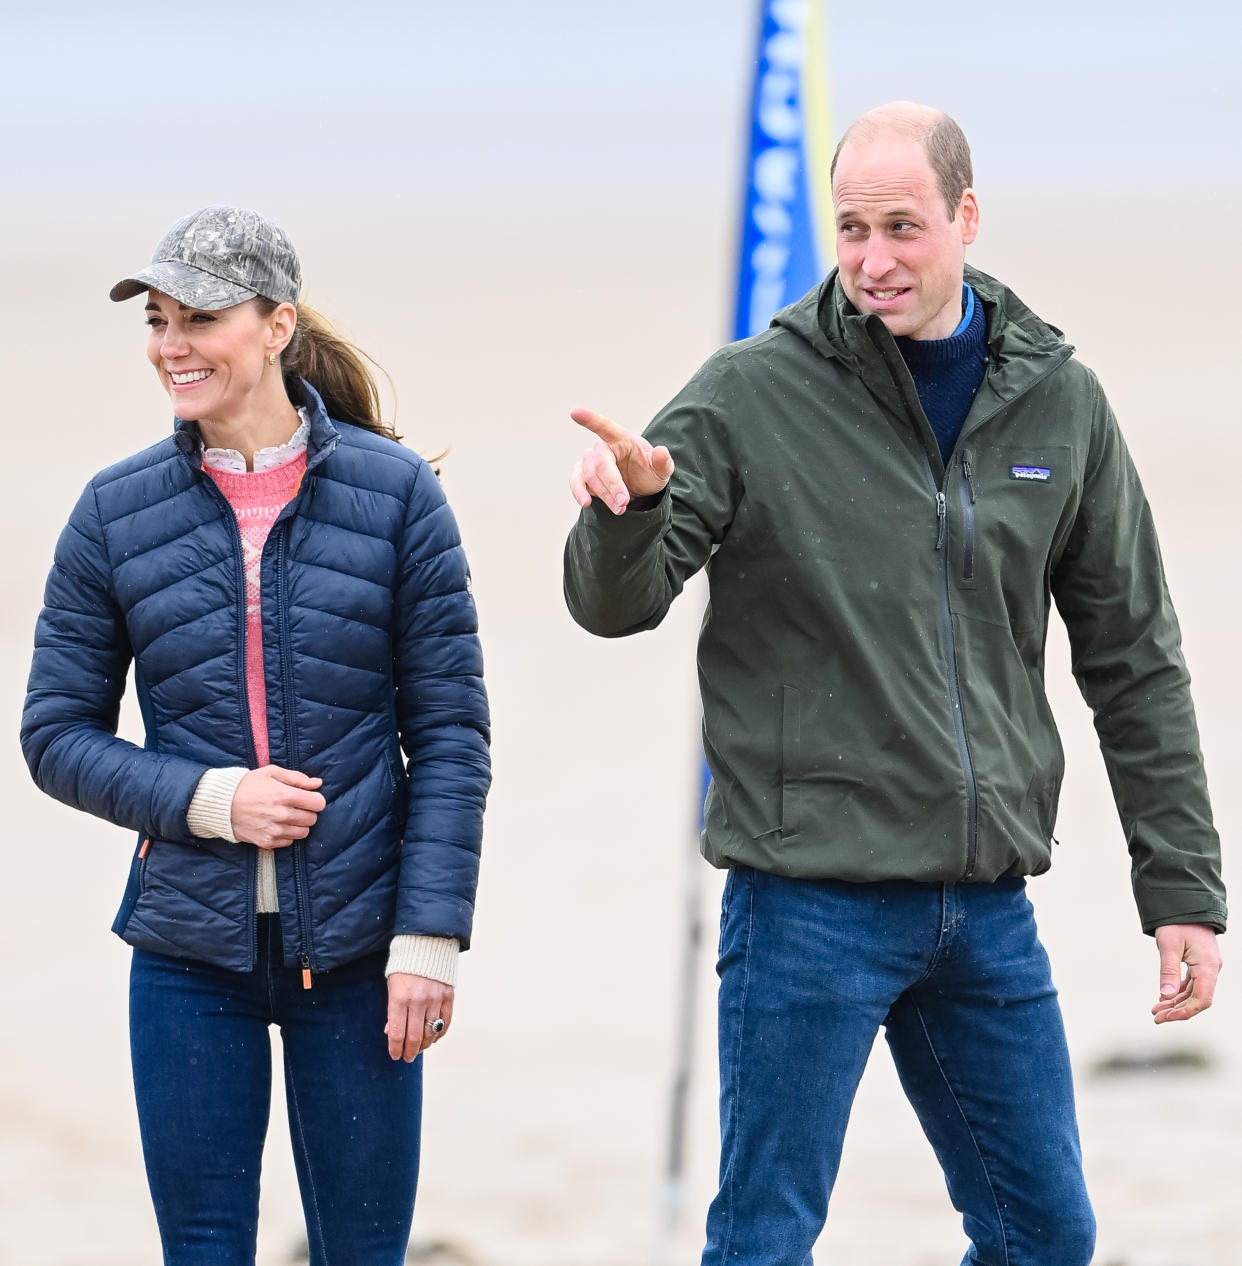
[[787, 235]]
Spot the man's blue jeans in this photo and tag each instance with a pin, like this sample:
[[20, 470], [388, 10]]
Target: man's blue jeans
[[809, 970], [203, 1079]]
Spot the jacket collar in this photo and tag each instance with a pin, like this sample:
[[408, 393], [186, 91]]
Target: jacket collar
[[324, 433], [1022, 348]]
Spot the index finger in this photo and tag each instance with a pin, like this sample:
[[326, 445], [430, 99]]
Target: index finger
[[598, 424], [293, 777]]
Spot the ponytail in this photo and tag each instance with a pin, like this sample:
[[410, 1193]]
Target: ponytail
[[335, 368]]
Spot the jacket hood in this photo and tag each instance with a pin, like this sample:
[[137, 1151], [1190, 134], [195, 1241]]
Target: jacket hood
[[826, 320]]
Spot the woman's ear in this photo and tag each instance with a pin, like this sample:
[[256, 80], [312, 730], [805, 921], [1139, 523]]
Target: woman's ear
[[282, 322]]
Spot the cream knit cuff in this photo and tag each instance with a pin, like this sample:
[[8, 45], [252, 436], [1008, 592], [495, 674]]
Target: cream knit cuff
[[265, 896], [432, 956], [210, 815]]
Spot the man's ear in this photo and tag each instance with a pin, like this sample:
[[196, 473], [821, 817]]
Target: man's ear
[[968, 214]]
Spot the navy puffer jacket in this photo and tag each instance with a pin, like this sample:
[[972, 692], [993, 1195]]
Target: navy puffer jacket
[[370, 651]]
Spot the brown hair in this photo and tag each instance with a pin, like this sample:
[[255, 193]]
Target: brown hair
[[335, 367], [943, 141]]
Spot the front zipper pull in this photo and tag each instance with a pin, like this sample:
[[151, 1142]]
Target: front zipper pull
[[304, 959], [145, 849], [940, 516], [969, 471]]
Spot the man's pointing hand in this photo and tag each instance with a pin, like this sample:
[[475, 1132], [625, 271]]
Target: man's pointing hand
[[618, 466]]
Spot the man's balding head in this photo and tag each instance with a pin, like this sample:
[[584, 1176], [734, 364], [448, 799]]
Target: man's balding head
[[904, 218], [944, 143]]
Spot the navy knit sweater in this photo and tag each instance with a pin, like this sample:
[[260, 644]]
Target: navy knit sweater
[[947, 372]]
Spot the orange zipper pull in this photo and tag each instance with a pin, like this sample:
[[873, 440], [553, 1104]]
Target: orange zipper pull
[[146, 847], [306, 976]]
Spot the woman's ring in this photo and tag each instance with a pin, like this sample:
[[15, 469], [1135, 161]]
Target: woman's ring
[[436, 1025]]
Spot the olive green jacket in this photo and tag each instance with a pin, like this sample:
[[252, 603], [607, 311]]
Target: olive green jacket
[[872, 657]]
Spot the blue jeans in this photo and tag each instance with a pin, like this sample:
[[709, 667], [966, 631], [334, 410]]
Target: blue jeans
[[203, 1080], [809, 970]]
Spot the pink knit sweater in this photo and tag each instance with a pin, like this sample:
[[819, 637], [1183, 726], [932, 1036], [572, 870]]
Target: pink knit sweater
[[257, 498]]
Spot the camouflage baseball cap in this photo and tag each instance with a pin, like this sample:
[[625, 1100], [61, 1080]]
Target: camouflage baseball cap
[[217, 257]]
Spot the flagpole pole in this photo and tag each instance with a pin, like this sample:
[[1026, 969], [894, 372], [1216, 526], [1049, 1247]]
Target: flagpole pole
[[685, 1022]]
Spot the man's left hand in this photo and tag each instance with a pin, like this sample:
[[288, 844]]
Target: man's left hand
[[1182, 995]]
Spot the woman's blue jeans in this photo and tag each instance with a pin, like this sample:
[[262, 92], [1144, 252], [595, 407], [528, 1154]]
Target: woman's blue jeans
[[809, 970], [203, 1079]]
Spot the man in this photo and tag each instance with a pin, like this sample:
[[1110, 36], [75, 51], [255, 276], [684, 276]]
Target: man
[[889, 489]]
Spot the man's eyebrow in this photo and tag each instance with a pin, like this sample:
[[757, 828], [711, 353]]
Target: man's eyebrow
[[899, 212]]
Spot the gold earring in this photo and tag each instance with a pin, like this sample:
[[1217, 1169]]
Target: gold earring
[[271, 358]]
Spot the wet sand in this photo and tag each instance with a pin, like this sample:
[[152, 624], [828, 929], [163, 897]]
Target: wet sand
[[547, 1111]]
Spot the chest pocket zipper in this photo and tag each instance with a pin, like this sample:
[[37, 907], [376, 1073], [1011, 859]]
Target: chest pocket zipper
[[968, 516]]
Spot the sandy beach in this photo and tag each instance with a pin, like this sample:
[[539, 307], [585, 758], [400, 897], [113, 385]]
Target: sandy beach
[[546, 1118]]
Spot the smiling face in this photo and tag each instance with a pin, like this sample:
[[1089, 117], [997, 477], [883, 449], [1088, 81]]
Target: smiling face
[[214, 365], [900, 254]]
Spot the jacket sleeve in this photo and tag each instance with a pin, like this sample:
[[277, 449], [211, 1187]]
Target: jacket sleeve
[[442, 713], [622, 572], [1110, 588], [73, 699]]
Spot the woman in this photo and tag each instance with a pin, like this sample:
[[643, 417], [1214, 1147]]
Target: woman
[[289, 584]]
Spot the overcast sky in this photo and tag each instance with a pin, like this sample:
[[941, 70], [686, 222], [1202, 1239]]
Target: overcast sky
[[557, 98]]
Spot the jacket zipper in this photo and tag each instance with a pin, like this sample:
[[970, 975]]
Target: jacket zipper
[[300, 882], [140, 864], [901, 377], [239, 571], [967, 491], [955, 691]]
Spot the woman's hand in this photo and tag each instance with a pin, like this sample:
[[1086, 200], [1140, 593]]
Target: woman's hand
[[272, 807], [414, 1002]]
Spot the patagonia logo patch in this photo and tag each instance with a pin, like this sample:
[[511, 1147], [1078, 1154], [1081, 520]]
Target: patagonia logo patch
[[1031, 474]]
